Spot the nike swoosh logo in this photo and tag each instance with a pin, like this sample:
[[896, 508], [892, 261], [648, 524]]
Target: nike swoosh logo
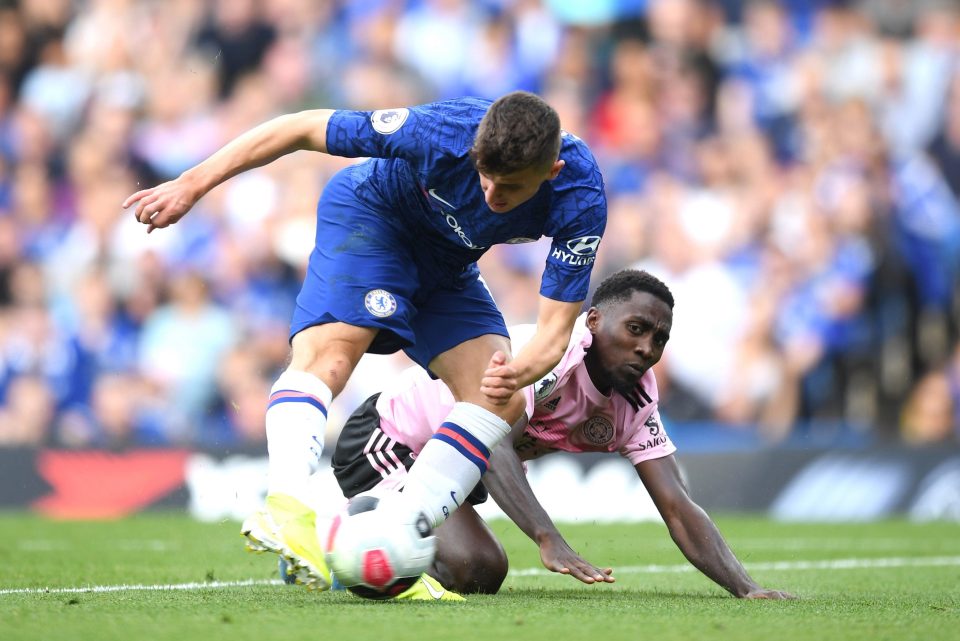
[[436, 594], [433, 194]]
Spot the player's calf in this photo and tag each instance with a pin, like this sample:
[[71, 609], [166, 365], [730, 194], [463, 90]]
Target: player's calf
[[451, 463]]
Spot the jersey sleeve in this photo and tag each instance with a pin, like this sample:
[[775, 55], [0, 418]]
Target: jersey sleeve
[[649, 440], [566, 275], [387, 133], [579, 217], [416, 134]]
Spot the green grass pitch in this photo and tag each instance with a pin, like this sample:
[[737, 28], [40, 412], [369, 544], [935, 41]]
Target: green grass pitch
[[165, 576]]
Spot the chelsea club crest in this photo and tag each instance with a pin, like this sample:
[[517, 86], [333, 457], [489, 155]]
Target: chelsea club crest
[[380, 303]]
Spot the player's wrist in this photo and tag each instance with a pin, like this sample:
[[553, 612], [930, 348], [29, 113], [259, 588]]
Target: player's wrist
[[545, 534], [196, 181], [745, 590]]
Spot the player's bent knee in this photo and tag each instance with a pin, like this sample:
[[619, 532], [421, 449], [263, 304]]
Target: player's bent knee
[[469, 557], [330, 352], [488, 572], [482, 572]]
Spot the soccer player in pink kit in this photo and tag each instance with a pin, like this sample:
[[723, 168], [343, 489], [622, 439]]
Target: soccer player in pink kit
[[601, 397]]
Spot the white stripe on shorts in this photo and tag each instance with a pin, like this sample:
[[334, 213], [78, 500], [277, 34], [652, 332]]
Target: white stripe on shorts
[[379, 446]]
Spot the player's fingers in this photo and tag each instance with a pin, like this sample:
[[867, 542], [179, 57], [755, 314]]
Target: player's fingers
[[497, 400], [577, 568], [498, 358], [147, 210], [584, 577], [499, 374], [158, 221], [136, 207], [497, 382], [772, 595], [595, 573], [560, 568], [132, 198], [500, 370], [131, 207], [496, 392], [497, 397]]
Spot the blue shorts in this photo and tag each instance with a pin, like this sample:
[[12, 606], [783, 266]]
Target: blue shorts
[[364, 271]]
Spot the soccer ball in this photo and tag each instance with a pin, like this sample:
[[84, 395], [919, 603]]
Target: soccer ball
[[378, 546]]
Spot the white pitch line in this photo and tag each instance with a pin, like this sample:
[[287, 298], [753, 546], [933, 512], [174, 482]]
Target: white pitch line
[[137, 587], [833, 564]]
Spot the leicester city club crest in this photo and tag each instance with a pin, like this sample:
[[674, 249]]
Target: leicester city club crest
[[380, 303], [598, 430]]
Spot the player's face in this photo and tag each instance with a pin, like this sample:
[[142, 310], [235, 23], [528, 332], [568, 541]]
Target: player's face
[[503, 192], [628, 339]]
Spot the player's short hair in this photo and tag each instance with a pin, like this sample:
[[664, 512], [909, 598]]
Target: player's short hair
[[518, 132], [620, 286]]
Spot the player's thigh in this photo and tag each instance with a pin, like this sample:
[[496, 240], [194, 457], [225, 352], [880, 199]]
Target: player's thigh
[[462, 366], [448, 317], [469, 557], [360, 273], [458, 330]]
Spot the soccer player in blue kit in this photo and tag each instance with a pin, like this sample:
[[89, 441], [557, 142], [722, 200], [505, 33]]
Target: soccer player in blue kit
[[394, 267]]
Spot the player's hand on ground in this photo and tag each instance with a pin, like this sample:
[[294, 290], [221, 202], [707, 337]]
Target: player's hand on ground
[[499, 382], [557, 556], [773, 595], [163, 205]]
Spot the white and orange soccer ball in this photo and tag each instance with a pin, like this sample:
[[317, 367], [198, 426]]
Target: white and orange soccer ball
[[379, 545]]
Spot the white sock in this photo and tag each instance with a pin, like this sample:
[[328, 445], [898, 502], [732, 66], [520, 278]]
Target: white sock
[[453, 460], [296, 422]]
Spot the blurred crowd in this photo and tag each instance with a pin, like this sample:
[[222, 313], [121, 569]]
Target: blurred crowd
[[790, 169]]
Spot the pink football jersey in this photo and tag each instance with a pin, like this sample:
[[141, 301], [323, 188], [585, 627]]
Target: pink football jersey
[[566, 412]]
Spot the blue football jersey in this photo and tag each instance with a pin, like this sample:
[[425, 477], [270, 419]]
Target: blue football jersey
[[420, 174]]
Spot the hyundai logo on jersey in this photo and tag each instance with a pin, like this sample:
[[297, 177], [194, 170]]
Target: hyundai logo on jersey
[[586, 246]]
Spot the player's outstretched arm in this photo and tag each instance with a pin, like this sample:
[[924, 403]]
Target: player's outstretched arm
[[508, 485], [696, 534], [555, 320], [165, 204]]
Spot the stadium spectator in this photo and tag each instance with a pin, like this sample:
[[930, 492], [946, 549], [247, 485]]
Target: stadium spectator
[[242, 384], [27, 413], [122, 412], [239, 36], [929, 414], [180, 348], [757, 117]]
